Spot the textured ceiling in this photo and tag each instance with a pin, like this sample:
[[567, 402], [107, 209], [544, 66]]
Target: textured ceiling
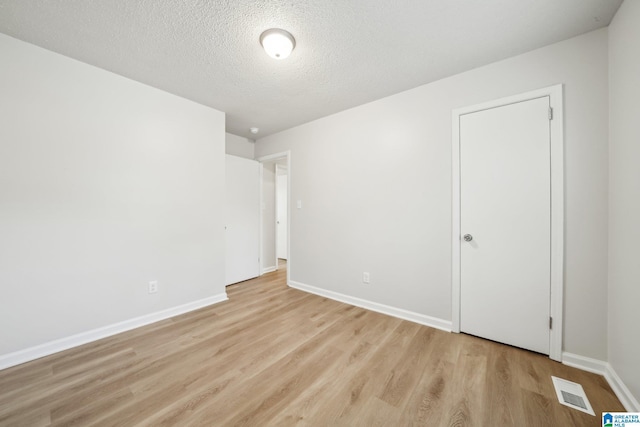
[[348, 52]]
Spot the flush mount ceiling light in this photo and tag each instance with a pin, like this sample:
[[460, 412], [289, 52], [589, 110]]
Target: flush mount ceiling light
[[277, 43], [254, 130]]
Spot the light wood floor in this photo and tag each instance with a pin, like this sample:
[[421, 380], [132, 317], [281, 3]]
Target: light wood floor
[[275, 356]]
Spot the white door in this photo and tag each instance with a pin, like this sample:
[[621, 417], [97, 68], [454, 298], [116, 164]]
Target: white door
[[505, 208], [242, 238], [281, 213]]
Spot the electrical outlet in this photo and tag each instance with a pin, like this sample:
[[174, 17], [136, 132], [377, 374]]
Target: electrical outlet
[[365, 277], [153, 286]]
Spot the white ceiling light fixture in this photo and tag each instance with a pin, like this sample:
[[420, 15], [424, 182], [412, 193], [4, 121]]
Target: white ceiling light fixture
[[254, 130], [277, 43]]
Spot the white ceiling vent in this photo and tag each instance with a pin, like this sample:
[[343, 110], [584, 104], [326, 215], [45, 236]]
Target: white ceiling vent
[[572, 395]]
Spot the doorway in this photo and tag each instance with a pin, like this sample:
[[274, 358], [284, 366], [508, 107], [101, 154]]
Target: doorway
[[282, 195], [508, 219], [275, 204]]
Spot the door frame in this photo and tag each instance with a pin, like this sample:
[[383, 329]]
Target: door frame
[[555, 94], [271, 158]]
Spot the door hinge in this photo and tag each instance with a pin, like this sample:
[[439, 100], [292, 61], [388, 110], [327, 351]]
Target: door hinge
[[550, 322], [550, 113]]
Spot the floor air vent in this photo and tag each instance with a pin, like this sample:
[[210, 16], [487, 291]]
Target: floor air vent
[[572, 395]]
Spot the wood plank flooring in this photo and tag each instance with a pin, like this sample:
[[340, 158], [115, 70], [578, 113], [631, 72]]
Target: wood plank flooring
[[276, 356]]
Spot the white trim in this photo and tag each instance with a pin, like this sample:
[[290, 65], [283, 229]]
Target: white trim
[[260, 168], [275, 220], [455, 222], [627, 399], [605, 369], [261, 251], [51, 347], [584, 363], [274, 156], [275, 214], [289, 217], [556, 102], [269, 269], [411, 316], [557, 207]]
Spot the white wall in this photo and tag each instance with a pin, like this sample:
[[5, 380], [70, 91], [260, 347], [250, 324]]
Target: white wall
[[624, 195], [105, 184], [375, 183], [239, 146], [268, 258]]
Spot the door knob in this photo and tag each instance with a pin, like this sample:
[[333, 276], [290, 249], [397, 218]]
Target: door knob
[[467, 237]]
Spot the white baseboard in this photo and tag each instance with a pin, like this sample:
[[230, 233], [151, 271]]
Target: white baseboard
[[411, 316], [46, 349], [268, 269], [584, 363], [627, 399], [605, 369]]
